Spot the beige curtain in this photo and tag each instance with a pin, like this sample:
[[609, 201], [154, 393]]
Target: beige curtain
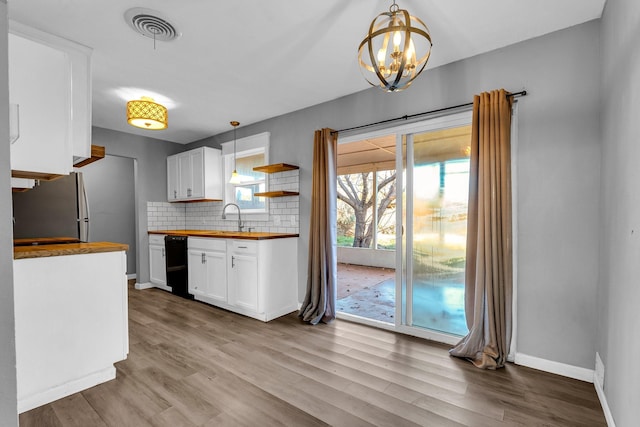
[[488, 282], [320, 300]]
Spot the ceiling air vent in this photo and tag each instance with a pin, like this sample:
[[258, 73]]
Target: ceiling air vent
[[150, 24]]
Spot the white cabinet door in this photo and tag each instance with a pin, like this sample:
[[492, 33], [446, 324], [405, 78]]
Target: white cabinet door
[[197, 272], [157, 265], [186, 176], [207, 261], [196, 158], [40, 83], [216, 264], [243, 283], [173, 182]]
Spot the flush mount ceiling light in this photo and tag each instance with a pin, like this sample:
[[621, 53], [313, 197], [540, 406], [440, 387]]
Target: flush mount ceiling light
[[147, 114], [235, 177], [393, 66]]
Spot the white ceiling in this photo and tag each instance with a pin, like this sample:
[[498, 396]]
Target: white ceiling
[[249, 60]]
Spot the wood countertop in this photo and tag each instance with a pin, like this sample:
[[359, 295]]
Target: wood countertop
[[249, 235], [40, 251]]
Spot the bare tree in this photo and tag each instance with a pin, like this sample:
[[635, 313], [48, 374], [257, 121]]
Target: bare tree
[[356, 191]]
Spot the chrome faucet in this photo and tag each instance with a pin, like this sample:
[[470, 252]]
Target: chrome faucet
[[224, 216]]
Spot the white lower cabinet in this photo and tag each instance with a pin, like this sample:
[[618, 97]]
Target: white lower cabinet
[[157, 264], [243, 279], [256, 278], [207, 263]]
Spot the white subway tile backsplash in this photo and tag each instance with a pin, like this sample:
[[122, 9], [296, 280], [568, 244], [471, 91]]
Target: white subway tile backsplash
[[207, 215]]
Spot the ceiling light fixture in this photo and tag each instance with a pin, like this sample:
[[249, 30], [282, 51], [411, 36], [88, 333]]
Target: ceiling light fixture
[[145, 113], [394, 66], [235, 177]]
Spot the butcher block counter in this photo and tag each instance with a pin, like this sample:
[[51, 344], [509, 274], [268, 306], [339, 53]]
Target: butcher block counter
[[38, 250], [225, 234]]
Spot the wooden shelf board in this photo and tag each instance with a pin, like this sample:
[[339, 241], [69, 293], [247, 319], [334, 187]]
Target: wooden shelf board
[[278, 167], [277, 194], [97, 153], [35, 175]]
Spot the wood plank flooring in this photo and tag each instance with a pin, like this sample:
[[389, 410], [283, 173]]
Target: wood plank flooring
[[191, 364]]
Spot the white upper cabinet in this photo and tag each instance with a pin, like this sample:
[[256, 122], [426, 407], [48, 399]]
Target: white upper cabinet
[[195, 175], [49, 80]]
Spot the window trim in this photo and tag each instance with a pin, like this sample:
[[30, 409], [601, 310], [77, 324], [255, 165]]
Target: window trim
[[247, 146]]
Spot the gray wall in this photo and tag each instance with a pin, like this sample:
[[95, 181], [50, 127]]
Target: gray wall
[[110, 185], [8, 394], [150, 176], [558, 172], [618, 342]]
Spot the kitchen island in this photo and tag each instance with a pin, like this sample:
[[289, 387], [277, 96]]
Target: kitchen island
[[71, 318]]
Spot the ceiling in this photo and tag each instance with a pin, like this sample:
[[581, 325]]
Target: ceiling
[[250, 60]]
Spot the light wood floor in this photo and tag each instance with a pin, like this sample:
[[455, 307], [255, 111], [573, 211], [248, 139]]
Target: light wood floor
[[192, 364]]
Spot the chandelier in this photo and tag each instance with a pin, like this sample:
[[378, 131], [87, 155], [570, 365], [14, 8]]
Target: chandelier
[[145, 113], [395, 50]]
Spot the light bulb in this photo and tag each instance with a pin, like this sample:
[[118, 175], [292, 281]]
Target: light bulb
[[411, 53], [397, 38], [381, 56]]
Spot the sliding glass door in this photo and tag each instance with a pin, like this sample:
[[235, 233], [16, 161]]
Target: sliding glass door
[[431, 174], [440, 187]]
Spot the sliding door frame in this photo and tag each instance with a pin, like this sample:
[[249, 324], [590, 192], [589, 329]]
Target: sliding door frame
[[403, 318]]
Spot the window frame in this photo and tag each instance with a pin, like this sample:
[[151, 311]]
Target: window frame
[[245, 147]]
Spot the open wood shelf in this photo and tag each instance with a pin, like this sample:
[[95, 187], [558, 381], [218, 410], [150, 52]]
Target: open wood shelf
[[277, 194], [277, 167]]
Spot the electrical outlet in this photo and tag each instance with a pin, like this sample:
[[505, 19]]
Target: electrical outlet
[[293, 220]]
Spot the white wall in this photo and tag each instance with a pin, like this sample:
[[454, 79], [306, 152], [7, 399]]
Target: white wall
[[558, 164], [618, 340], [8, 397]]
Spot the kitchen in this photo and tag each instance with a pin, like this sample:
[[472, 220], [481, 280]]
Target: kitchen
[[556, 92]]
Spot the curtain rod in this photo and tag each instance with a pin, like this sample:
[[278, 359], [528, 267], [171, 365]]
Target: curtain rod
[[411, 116]]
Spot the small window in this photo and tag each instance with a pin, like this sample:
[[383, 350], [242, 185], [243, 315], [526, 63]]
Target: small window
[[250, 152], [243, 194]]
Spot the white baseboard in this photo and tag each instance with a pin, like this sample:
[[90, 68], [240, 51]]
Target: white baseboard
[[608, 416], [131, 276], [33, 401], [141, 286], [575, 372]]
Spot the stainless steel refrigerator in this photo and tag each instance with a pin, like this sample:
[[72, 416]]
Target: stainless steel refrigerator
[[57, 208]]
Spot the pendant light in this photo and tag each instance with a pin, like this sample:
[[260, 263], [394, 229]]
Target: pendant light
[[145, 113], [393, 66], [235, 177]]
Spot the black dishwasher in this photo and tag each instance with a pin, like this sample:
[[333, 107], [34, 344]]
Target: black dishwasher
[[176, 263]]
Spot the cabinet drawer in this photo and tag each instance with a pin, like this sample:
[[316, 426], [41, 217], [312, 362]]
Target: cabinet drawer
[[244, 247], [156, 239], [206, 244]]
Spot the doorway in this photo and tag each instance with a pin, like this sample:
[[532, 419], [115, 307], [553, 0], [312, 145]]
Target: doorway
[[423, 275]]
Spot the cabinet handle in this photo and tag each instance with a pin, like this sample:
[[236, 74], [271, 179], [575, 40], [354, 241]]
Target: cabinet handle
[[188, 192], [233, 261], [175, 194], [242, 247], [162, 252], [204, 259]]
